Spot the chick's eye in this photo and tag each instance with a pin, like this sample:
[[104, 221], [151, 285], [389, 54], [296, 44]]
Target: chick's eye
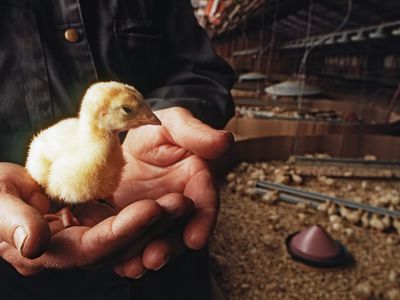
[[127, 109]]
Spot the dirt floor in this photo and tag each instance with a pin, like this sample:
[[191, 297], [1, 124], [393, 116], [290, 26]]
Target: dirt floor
[[249, 257]]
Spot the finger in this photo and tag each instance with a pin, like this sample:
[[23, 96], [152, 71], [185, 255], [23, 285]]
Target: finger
[[155, 256], [55, 226], [175, 206], [133, 268], [193, 135], [39, 201], [116, 232], [160, 150], [91, 213], [22, 226], [201, 188], [23, 186], [159, 252], [91, 246], [23, 265]]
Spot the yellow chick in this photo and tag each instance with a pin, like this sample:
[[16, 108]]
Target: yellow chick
[[80, 159]]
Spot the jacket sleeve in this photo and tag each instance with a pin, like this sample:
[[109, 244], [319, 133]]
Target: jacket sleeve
[[194, 76]]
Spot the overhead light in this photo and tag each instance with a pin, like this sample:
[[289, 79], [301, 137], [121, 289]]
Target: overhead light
[[309, 42], [358, 37], [396, 32], [343, 38], [378, 34], [330, 40], [293, 88]]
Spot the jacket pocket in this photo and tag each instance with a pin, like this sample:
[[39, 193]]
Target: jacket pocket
[[138, 45]]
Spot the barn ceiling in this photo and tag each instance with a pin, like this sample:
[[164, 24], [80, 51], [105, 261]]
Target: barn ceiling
[[293, 19]]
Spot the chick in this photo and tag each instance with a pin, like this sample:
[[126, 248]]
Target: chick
[[80, 159]]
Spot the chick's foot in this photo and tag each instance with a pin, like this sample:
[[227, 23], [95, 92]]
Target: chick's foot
[[64, 217]]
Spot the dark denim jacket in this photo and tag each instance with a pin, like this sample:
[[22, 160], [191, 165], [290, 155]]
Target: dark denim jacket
[[155, 45]]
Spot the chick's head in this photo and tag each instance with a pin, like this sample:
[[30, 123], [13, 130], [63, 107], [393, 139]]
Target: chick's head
[[116, 107]]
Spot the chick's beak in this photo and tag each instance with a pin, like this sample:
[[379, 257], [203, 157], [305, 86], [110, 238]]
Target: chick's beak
[[147, 117], [153, 120]]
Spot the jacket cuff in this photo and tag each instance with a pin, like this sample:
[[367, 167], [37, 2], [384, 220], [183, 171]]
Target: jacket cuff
[[212, 109]]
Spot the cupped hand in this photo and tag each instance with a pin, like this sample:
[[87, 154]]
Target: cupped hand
[[29, 244], [172, 158], [21, 221]]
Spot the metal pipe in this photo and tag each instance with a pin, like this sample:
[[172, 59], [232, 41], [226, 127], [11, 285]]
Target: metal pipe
[[355, 35], [341, 160], [324, 198], [290, 198]]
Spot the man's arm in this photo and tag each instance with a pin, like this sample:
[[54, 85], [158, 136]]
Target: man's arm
[[195, 77]]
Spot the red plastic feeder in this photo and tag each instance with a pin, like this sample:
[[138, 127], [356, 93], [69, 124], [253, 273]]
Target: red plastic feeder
[[314, 246]]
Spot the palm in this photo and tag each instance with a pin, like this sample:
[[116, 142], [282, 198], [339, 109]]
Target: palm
[[101, 235], [88, 244], [156, 166], [172, 159]]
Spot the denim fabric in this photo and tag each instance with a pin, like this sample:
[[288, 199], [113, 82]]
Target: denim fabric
[[186, 278], [155, 45]]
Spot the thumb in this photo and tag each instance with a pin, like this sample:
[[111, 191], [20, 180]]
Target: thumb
[[22, 226], [193, 135]]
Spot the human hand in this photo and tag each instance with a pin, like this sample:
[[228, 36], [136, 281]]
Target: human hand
[[172, 158], [103, 233], [22, 225]]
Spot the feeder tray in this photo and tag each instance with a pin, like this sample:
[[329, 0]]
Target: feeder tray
[[252, 51], [252, 76], [293, 88], [315, 247]]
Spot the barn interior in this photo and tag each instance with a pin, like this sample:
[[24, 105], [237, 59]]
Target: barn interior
[[317, 153]]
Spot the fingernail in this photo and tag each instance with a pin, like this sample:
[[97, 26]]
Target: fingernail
[[227, 134], [20, 237], [163, 264], [140, 275], [119, 270]]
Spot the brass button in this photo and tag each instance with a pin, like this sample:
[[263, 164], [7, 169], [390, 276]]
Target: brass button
[[71, 35]]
